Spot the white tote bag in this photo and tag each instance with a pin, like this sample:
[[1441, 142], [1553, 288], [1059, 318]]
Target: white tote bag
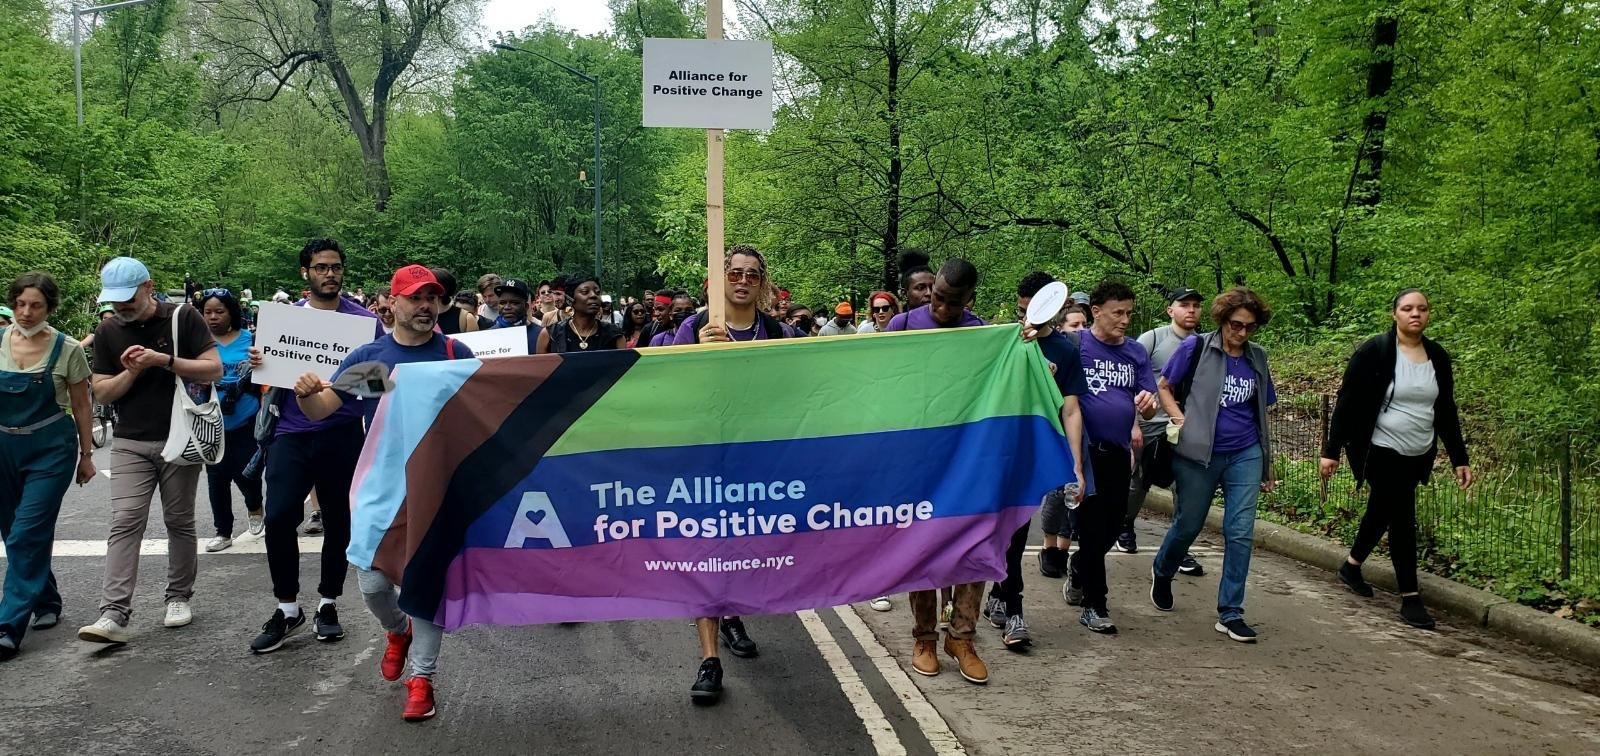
[[195, 435]]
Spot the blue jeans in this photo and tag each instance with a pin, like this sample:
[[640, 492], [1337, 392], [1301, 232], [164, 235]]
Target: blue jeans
[[1239, 474]]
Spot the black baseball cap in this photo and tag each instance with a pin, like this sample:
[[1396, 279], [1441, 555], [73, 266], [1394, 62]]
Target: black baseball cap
[[515, 284], [1181, 293]]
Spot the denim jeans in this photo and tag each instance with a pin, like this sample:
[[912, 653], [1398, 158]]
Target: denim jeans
[[384, 602], [1239, 474]]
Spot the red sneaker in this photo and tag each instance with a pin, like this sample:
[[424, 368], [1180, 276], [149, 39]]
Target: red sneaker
[[394, 657], [419, 699]]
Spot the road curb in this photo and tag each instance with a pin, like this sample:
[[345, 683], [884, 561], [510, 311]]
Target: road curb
[[1563, 637]]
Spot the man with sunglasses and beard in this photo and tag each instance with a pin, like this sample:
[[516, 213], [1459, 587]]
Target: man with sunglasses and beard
[[309, 455], [744, 320]]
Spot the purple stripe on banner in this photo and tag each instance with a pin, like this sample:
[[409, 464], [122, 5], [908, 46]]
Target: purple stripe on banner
[[630, 579]]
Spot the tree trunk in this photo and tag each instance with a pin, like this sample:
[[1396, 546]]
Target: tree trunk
[[891, 226], [1380, 79]]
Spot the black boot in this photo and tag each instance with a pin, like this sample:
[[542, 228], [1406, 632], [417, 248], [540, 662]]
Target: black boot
[[1350, 575], [707, 687], [736, 639], [1414, 613]]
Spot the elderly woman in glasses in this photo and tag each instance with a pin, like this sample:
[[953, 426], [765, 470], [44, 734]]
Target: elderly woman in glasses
[[1217, 388], [881, 308]]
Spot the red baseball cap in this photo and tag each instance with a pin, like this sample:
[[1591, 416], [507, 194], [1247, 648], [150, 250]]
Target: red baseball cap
[[412, 279]]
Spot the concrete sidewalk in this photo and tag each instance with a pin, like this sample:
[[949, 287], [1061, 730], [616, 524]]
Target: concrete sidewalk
[[1331, 673]]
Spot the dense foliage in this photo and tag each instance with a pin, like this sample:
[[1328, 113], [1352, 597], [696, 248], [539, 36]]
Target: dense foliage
[[1325, 153]]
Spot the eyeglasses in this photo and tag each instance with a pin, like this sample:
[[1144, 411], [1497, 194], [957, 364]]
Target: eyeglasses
[[746, 276], [323, 269], [217, 293], [884, 308], [1240, 325]]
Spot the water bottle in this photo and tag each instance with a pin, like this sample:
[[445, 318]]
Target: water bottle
[[1070, 494]]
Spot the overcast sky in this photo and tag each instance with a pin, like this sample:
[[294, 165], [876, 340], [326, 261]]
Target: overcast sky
[[584, 16]]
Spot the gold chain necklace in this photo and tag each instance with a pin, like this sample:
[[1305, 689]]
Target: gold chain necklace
[[583, 339]]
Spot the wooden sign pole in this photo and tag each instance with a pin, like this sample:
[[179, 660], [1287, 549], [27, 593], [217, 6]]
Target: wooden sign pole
[[715, 280]]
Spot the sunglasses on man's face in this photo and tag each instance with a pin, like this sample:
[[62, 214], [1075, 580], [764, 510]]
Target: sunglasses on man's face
[[746, 276]]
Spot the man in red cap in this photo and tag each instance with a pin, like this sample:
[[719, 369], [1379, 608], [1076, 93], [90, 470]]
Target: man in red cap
[[418, 300]]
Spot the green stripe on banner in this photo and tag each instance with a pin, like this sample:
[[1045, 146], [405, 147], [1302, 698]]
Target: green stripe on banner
[[818, 387]]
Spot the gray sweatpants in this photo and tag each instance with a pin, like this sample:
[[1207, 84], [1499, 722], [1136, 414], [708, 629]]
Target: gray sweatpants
[[383, 600]]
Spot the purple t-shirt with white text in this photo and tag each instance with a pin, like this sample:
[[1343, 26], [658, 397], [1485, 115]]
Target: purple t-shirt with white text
[[921, 319], [688, 334], [1236, 428], [1115, 373], [293, 420]]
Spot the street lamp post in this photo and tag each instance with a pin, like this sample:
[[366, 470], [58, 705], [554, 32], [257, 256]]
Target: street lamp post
[[77, 77], [595, 82]]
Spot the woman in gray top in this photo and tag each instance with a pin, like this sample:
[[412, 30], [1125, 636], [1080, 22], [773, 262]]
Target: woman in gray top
[[1397, 397]]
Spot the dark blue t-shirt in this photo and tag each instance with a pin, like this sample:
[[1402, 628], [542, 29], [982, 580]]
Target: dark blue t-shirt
[[390, 352], [1060, 351]]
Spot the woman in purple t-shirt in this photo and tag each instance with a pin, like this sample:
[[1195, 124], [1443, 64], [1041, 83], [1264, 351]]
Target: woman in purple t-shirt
[[1217, 388]]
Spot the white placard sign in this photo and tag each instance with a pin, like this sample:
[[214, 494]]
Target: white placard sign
[[500, 342], [708, 84], [298, 340]]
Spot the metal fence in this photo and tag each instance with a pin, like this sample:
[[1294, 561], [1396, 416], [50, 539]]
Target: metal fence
[[1531, 521]]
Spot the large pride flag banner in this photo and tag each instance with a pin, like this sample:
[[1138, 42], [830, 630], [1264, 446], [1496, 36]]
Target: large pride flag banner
[[705, 480]]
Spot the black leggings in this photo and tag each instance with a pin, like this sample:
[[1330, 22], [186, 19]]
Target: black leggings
[[240, 447], [1392, 479], [1099, 520]]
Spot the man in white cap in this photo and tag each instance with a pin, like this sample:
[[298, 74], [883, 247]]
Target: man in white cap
[[135, 368]]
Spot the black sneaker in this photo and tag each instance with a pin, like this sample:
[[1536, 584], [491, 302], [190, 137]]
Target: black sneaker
[[1160, 591], [737, 641], [276, 631], [1190, 567], [327, 624], [1050, 562], [1415, 614], [707, 688], [1127, 543], [1350, 575], [1237, 630]]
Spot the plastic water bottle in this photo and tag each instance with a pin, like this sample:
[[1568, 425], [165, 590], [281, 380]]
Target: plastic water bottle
[[1070, 492]]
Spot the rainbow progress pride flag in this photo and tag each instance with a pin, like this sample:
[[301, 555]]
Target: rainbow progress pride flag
[[705, 480]]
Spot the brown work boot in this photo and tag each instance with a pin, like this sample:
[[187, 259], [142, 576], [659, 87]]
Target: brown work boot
[[967, 660], [925, 660]]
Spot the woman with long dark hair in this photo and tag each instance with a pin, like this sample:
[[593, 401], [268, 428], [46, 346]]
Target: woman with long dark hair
[[1397, 401], [224, 316], [635, 318], [586, 330], [43, 376]]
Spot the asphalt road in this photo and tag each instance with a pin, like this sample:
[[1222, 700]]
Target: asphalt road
[[1332, 673]]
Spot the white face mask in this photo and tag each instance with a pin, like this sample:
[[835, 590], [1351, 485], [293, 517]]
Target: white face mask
[[29, 333]]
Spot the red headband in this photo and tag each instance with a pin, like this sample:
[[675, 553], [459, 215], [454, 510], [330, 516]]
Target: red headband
[[663, 299]]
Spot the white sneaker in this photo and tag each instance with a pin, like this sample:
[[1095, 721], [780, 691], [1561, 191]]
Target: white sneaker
[[220, 543], [178, 614], [881, 604], [104, 630], [258, 524]]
